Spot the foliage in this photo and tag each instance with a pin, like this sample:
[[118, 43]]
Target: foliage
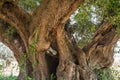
[[116, 73], [22, 66], [110, 10], [52, 76], [86, 22], [7, 77], [91, 14], [105, 74], [12, 78], [108, 74], [28, 78], [10, 31], [32, 49], [30, 5], [87, 19]]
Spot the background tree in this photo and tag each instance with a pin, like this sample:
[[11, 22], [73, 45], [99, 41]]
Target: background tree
[[44, 44]]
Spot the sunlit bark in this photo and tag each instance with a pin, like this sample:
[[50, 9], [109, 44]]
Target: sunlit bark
[[44, 29]]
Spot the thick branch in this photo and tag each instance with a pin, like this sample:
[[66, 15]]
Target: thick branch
[[55, 10], [16, 16], [70, 59], [9, 42], [48, 16], [100, 49]]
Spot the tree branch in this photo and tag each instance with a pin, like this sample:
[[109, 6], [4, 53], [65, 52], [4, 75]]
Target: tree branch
[[100, 49], [10, 42], [49, 15], [57, 10], [16, 16]]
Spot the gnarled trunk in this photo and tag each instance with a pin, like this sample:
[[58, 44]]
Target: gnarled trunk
[[100, 49], [72, 60], [37, 33], [97, 54]]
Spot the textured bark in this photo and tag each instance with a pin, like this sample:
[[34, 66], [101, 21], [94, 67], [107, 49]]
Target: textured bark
[[17, 17], [52, 14], [15, 43], [44, 29], [72, 60], [42, 24], [100, 49]]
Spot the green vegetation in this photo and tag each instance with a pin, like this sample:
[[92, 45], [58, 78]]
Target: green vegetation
[[10, 31], [8, 77], [30, 5], [108, 74], [116, 74], [52, 76], [105, 74], [88, 17]]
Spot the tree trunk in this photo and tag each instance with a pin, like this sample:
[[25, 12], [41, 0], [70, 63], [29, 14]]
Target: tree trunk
[[40, 68], [72, 60], [37, 33]]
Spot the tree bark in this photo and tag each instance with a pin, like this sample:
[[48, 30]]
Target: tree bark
[[100, 49], [37, 33], [17, 17], [72, 60]]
